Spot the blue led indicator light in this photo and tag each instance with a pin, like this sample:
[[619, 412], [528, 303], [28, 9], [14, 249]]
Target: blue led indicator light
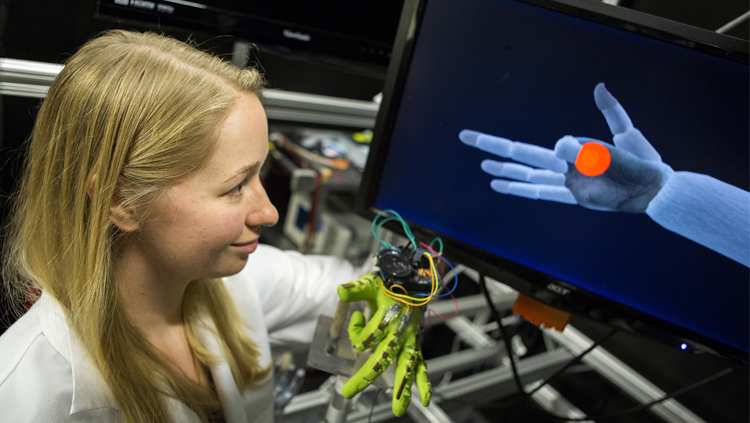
[[683, 346]]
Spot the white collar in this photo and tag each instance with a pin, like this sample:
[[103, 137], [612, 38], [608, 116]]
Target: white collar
[[230, 397], [90, 391]]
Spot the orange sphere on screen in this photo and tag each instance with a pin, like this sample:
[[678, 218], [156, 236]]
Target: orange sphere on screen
[[593, 159]]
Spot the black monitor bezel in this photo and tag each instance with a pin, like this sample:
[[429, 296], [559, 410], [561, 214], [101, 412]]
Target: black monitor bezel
[[325, 45], [538, 285]]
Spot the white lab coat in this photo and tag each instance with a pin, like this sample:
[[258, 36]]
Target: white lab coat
[[45, 375]]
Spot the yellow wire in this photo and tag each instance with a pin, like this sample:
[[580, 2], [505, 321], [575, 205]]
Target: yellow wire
[[402, 298], [435, 281], [405, 292], [417, 302], [400, 287]]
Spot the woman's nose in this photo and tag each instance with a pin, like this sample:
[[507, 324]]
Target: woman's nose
[[262, 212]]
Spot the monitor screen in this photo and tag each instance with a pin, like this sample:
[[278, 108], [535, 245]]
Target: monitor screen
[[484, 138]]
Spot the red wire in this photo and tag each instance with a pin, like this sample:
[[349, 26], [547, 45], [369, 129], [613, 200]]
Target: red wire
[[427, 247], [429, 310], [442, 262], [449, 317], [429, 316]]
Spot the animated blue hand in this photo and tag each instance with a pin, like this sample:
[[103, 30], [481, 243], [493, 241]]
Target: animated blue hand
[[634, 177]]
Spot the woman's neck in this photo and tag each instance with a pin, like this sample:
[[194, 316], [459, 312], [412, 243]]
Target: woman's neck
[[151, 298]]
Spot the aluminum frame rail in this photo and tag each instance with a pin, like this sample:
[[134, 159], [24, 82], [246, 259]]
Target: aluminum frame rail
[[498, 382], [488, 385], [311, 108], [623, 376], [24, 78], [32, 79]]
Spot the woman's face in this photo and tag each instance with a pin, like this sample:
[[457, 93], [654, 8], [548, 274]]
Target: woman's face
[[206, 225]]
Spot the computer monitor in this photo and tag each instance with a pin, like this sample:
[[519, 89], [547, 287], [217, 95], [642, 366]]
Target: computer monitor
[[475, 80], [337, 30]]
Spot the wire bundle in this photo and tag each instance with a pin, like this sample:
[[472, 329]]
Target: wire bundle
[[416, 300]]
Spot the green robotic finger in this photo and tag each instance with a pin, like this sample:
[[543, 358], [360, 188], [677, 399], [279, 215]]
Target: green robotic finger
[[411, 366], [396, 331]]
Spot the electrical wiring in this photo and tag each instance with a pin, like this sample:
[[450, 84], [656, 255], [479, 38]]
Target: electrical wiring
[[420, 299], [430, 311], [374, 401], [415, 301], [643, 407], [603, 417], [403, 289], [574, 361], [413, 252], [443, 260], [376, 227], [440, 252], [506, 339]]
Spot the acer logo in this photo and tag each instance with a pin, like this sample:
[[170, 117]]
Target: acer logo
[[297, 35], [558, 289]]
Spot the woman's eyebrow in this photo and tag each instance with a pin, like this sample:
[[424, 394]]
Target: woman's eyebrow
[[244, 171]]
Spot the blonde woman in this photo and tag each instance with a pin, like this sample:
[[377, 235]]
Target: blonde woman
[[138, 221]]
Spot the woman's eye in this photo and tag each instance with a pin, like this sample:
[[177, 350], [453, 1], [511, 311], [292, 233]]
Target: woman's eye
[[237, 189]]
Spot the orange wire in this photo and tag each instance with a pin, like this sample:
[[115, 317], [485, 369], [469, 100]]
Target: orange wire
[[405, 293]]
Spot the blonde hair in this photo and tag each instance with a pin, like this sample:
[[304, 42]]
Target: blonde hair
[[130, 115]]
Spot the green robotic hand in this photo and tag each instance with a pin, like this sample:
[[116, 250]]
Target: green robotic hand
[[396, 327]]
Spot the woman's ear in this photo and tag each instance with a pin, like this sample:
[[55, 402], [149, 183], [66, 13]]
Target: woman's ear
[[123, 217]]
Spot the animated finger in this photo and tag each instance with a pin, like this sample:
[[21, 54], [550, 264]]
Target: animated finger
[[521, 152], [533, 191], [362, 335], [523, 173], [405, 369], [625, 135], [373, 367], [616, 116], [567, 148]]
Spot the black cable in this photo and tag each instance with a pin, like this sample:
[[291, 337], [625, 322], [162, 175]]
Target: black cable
[[575, 360], [623, 413], [374, 399], [506, 340], [643, 407]]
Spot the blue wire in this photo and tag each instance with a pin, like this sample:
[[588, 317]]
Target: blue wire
[[455, 284], [382, 275], [375, 228], [455, 276]]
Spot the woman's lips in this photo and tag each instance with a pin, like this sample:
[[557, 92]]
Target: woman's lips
[[246, 247]]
